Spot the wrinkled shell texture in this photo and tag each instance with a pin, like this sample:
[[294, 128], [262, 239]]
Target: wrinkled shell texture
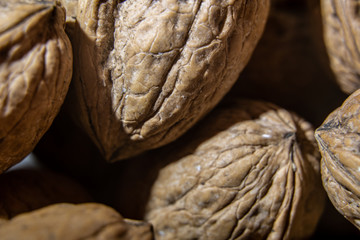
[[73, 222], [27, 190], [257, 177], [35, 72], [338, 139], [342, 39], [148, 70]]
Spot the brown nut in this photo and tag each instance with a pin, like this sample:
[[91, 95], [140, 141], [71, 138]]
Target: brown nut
[[35, 72], [148, 70], [256, 177], [342, 39], [26, 190], [338, 139], [74, 222]]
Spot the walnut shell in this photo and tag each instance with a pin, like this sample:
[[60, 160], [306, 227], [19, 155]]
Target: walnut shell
[[26, 190], [256, 177], [338, 140], [74, 222], [342, 39], [148, 70], [35, 72]]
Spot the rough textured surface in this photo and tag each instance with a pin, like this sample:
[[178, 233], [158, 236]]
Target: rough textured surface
[[35, 72], [342, 38], [256, 177], [298, 78], [148, 70], [27, 190], [338, 139], [74, 222]]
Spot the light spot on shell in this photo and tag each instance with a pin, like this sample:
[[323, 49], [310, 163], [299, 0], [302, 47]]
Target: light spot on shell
[[266, 135]]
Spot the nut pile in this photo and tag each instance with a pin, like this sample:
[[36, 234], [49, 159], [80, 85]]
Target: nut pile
[[175, 119]]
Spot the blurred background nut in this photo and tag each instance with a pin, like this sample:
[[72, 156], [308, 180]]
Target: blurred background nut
[[74, 222], [289, 66], [342, 38], [35, 72], [26, 190], [338, 139], [146, 71], [250, 172]]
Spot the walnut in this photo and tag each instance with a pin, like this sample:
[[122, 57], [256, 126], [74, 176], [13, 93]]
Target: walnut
[[27, 190], [256, 176], [35, 72], [146, 71], [73, 222], [342, 38], [338, 139]]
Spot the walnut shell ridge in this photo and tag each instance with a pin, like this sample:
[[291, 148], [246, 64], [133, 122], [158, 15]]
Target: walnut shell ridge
[[338, 140], [342, 39], [256, 177], [73, 222], [35, 73], [146, 71]]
